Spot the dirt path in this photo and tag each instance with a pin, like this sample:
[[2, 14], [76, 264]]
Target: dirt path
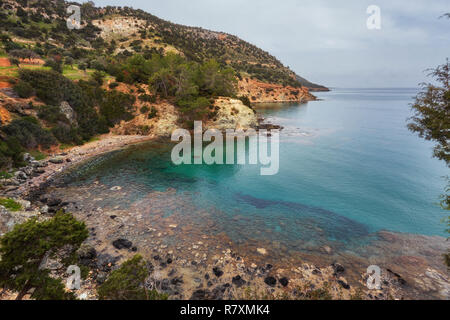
[[4, 62]]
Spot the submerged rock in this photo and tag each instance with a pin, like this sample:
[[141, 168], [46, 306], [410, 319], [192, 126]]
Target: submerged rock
[[217, 272], [238, 281], [270, 281], [343, 284], [122, 244], [338, 268]]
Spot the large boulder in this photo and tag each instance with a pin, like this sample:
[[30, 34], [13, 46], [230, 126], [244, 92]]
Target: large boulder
[[70, 114]]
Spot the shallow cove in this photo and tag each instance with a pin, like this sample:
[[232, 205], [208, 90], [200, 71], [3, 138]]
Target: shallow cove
[[349, 169]]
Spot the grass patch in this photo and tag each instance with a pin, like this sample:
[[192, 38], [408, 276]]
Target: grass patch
[[64, 146], [95, 138], [5, 175], [13, 71], [37, 155], [10, 204]]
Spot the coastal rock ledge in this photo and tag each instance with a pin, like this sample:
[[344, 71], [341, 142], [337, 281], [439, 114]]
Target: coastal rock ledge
[[232, 114]]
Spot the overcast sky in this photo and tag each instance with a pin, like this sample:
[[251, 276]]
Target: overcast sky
[[326, 41]]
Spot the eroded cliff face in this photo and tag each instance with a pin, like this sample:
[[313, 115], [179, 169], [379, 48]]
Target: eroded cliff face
[[261, 92]]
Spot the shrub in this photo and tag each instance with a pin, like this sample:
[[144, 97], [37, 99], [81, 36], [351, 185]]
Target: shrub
[[145, 109], [11, 153], [246, 101], [26, 246], [113, 85], [29, 133], [52, 114], [128, 283], [153, 113], [10, 204], [147, 98], [116, 106], [24, 89]]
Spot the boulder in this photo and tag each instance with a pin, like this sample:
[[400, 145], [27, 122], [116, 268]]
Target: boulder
[[70, 114], [56, 160], [217, 272], [238, 281], [122, 244], [284, 281], [270, 281], [343, 284], [338, 268]]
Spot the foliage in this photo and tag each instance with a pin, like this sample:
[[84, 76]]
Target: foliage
[[51, 115], [55, 64], [153, 113], [10, 204], [128, 283], [246, 101], [319, 294], [14, 61], [431, 119], [26, 246], [11, 153], [24, 89], [116, 106], [29, 133]]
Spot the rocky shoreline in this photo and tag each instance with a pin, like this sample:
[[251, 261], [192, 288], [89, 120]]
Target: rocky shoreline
[[207, 267]]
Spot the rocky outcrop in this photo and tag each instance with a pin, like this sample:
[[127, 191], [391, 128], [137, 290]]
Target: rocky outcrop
[[162, 124], [261, 92], [232, 114], [67, 110]]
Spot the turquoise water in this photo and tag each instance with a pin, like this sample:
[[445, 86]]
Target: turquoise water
[[348, 168]]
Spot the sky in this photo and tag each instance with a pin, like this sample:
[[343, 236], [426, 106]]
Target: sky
[[326, 41]]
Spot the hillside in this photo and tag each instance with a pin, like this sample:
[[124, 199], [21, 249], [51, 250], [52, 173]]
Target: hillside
[[124, 71], [137, 31]]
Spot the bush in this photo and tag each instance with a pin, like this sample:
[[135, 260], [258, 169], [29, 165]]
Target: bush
[[128, 283], [11, 153], [145, 109], [29, 133], [147, 98], [53, 88], [52, 115], [24, 89], [153, 113], [113, 85], [24, 249]]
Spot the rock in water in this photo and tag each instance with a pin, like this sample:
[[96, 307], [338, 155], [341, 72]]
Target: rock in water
[[238, 281], [270, 281], [344, 284], [217, 272], [122, 244], [262, 251], [284, 281], [338, 268]]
